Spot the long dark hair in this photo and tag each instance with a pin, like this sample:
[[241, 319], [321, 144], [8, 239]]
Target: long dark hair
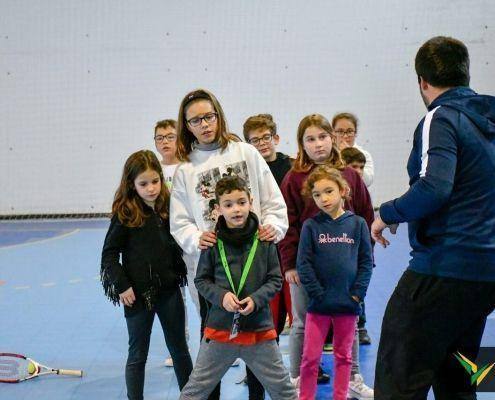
[[127, 204]]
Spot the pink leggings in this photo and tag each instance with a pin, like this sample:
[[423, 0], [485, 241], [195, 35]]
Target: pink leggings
[[315, 332]]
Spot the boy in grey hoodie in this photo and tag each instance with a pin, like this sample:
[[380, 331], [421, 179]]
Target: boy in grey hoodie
[[238, 276]]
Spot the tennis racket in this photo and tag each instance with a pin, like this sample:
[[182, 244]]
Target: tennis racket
[[16, 368]]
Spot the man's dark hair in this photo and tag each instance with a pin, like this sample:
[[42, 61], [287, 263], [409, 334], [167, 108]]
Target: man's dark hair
[[351, 154], [443, 62], [228, 184]]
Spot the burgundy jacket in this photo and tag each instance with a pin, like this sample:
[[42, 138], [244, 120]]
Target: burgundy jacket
[[300, 209]]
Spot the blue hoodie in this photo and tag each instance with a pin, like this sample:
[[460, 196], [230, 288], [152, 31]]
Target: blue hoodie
[[450, 205], [334, 262]]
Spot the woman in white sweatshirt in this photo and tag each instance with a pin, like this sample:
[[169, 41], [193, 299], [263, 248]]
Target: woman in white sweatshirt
[[208, 152]]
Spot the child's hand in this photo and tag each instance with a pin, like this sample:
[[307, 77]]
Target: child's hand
[[247, 306], [230, 302], [127, 298], [267, 233], [291, 276], [207, 239]]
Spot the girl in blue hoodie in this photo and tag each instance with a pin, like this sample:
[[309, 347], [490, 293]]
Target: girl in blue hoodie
[[334, 263]]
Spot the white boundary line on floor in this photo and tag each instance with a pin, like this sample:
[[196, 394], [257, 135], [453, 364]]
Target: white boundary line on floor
[[64, 235]]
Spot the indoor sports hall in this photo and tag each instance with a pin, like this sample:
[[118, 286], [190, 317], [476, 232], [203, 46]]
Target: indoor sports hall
[[82, 85]]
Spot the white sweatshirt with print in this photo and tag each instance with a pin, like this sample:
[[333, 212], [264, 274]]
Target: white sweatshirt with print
[[193, 194]]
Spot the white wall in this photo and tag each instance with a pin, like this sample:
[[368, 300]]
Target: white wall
[[82, 83]]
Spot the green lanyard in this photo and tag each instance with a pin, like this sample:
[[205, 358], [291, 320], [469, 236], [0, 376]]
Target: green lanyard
[[247, 266]]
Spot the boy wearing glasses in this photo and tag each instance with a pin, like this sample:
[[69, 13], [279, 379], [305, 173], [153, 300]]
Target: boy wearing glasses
[[261, 131], [166, 144]]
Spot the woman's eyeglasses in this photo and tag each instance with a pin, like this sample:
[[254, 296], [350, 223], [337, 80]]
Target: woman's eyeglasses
[[208, 118], [346, 133]]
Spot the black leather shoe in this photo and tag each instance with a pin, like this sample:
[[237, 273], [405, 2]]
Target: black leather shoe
[[322, 376], [364, 338]]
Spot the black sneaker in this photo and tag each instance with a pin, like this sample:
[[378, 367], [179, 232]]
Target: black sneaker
[[364, 338], [322, 376]]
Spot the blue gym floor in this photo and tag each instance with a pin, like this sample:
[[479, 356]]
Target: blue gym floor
[[52, 309]]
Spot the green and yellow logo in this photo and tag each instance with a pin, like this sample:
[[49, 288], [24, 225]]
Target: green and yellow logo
[[477, 375]]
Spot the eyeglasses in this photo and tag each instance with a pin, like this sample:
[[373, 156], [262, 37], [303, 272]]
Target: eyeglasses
[[265, 139], [347, 132], [167, 138], [208, 118]]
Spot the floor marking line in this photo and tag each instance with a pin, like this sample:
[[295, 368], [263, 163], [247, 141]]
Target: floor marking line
[[64, 235]]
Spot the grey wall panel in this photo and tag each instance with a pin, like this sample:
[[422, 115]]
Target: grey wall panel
[[82, 83]]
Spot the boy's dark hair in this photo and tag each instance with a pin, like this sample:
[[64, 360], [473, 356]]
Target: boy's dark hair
[[443, 62], [166, 123], [351, 154], [260, 121], [228, 184]]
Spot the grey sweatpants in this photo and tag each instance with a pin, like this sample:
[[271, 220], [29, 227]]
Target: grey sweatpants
[[300, 301], [215, 358]]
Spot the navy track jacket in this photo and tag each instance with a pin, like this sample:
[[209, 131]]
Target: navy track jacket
[[450, 205]]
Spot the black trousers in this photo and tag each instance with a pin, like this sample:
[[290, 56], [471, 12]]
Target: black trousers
[[426, 321], [170, 310], [256, 390]]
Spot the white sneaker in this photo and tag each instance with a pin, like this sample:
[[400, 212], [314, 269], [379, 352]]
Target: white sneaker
[[169, 362], [236, 362], [358, 389], [296, 382]]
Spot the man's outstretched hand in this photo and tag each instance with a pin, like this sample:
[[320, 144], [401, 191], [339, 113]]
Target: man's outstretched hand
[[377, 229]]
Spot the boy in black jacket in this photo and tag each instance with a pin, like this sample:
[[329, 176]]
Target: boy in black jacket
[[238, 276]]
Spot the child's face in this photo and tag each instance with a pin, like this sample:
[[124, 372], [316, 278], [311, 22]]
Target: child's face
[[346, 133], [328, 196], [148, 185], [197, 115], [166, 141], [317, 144], [265, 142], [358, 167], [234, 207]]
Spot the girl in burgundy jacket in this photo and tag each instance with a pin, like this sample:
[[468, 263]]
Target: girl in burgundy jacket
[[316, 146]]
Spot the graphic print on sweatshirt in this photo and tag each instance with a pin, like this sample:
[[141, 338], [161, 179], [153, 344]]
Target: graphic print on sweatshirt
[[207, 182]]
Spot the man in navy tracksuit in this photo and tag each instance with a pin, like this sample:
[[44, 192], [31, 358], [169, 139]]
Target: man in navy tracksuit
[[441, 303]]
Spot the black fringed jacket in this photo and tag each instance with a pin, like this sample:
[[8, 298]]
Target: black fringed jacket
[[150, 257]]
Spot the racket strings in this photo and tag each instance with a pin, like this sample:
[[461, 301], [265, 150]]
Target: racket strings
[[13, 368]]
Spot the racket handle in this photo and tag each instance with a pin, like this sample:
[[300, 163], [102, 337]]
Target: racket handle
[[73, 372]]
